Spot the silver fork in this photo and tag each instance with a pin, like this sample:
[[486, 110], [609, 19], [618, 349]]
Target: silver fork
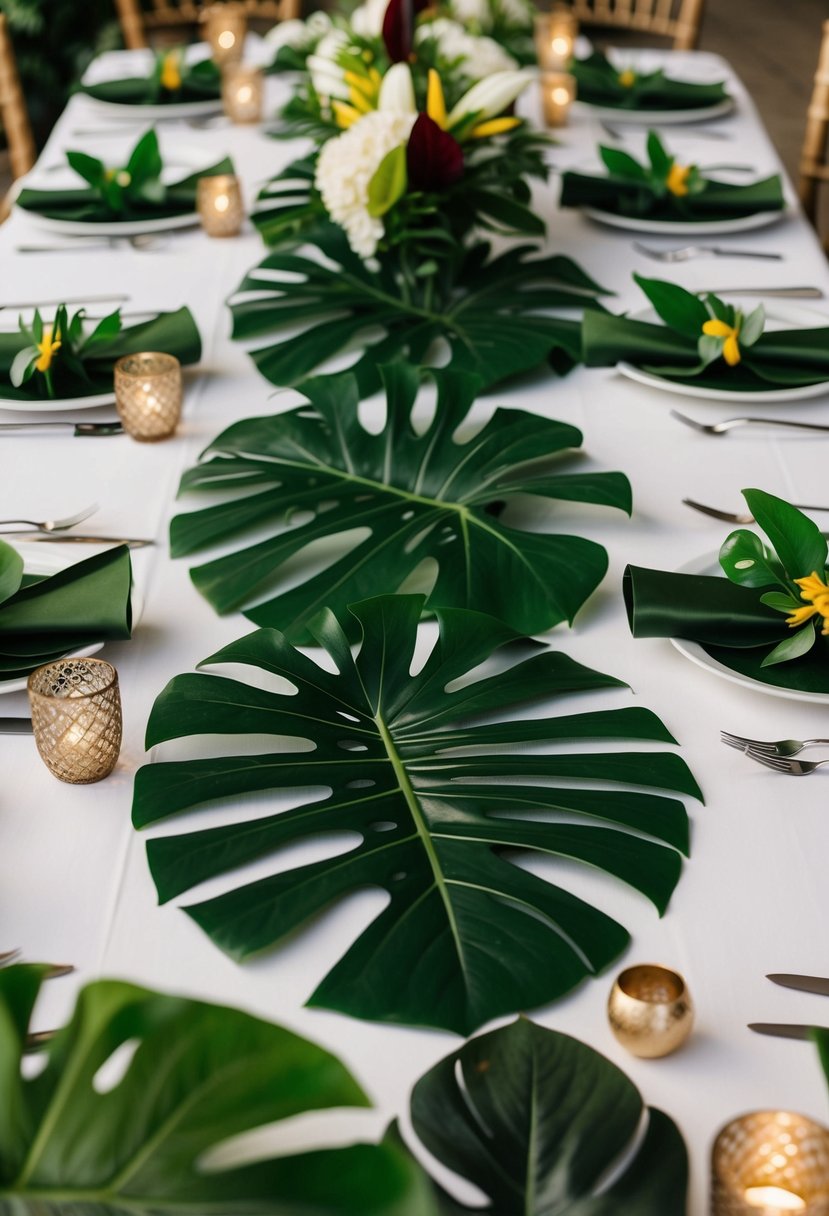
[[51, 525], [787, 764], [728, 424], [684, 253], [764, 747], [141, 241], [731, 517]]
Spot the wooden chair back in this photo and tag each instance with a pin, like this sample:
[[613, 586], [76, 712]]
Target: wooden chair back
[[678, 20], [813, 158], [140, 21], [13, 116]]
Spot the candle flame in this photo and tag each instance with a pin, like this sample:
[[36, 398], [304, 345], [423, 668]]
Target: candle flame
[[774, 1199], [226, 39]]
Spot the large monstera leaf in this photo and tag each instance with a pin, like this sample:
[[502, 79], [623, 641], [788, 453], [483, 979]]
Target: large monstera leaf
[[440, 800], [75, 1144], [493, 313], [536, 1119], [419, 496]]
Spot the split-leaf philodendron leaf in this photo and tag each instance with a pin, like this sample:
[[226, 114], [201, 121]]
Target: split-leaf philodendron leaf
[[76, 1142], [536, 1120], [440, 796], [420, 497]]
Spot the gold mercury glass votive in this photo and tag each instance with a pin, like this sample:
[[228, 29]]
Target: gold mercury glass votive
[[650, 1011], [219, 204], [768, 1163], [76, 718], [225, 27], [243, 89], [148, 393], [558, 92], [555, 37]]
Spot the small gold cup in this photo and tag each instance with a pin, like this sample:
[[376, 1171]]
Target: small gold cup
[[148, 395], [768, 1163], [76, 718], [555, 36], [243, 91], [219, 204], [650, 1011], [225, 27], [558, 92]]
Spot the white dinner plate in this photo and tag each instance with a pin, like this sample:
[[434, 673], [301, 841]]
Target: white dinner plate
[[782, 315], [113, 228], [709, 564], [660, 118], [59, 403], [135, 112], [686, 228], [36, 561]]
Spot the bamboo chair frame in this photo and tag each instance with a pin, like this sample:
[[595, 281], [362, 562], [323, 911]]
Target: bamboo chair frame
[[814, 170], [138, 23], [678, 20], [13, 115]]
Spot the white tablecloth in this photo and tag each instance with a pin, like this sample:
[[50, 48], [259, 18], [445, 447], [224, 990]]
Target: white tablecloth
[[74, 883]]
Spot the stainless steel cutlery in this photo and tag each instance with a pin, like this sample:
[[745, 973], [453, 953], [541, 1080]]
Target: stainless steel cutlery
[[731, 517], [729, 424], [815, 984], [76, 428], [765, 747], [684, 253], [50, 525], [14, 726]]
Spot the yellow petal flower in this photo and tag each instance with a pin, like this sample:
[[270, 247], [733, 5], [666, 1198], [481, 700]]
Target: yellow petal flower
[[717, 329], [731, 349], [360, 102], [361, 84], [48, 349], [495, 126], [344, 115], [627, 79], [800, 616], [677, 179], [812, 588], [435, 103], [171, 71]]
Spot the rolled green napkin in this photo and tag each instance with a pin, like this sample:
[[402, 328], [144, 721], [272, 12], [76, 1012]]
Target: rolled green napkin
[[170, 82], [706, 342], [664, 189], [73, 358], [44, 618], [599, 83]]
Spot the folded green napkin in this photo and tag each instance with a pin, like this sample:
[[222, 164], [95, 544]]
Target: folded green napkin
[[170, 81], [768, 615], [599, 83], [82, 364], [663, 189], [44, 618], [706, 342]]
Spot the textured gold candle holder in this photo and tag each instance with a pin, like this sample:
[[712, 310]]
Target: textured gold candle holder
[[243, 92], [219, 204], [768, 1163], [225, 27], [555, 36], [148, 394], [650, 1010], [76, 718], [558, 92]]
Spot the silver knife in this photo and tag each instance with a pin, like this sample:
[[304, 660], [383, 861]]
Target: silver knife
[[15, 726], [132, 542], [778, 293], [77, 428], [782, 1030], [803, 983]]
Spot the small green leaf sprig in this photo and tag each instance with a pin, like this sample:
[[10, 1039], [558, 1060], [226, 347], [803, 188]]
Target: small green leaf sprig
[[662, 175], [139, 180], [63, 339], [720, 330]]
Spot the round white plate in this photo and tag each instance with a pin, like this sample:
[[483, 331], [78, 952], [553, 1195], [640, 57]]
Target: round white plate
[[709, 564], [113, 228], [686, 228], [174, 109], [660, 118], [59, 403], [782, 315]]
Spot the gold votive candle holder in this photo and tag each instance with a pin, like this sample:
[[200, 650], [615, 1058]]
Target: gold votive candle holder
[[768, 1163], [558, 92], [219, 204], [650, 1010], [76, 718], [225, 27], [148, 395], [243, 92], [555, 36]]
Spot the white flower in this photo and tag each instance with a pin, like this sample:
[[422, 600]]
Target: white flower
[[347, 164], [367, 20], [317, 24], [517, 13], [397, 90], [489, 98], [478, 57], [288, 33], [327, 77], [473, 12]]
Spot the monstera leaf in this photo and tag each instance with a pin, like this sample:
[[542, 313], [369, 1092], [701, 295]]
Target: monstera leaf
[[75, 1142], [435, 797], [535, 1119], [419, 496], [491, 312]]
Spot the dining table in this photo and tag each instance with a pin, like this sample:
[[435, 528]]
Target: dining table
[[753, 897]]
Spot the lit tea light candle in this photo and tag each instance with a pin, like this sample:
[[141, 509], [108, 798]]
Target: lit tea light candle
[[76, 718], [219, 204], [225, 27], [773, 1199], [555, 37], [558, 92], [148, 395], [769, 1163], [242, 93]]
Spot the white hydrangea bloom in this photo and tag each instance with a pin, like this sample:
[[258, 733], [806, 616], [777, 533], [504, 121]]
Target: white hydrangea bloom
[[476, 12], [317, 24], [518, 12], [288, 33], [479, 57], [367, 20], [347, 164], [327, 77]]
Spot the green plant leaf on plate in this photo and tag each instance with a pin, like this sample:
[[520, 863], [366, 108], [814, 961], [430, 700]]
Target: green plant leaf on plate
[[622, 164], [678, 308], [744, 559], [799, 643], [407, 765], [200, 1074], [536, 1119], [11, 571], [796, 539], [423, 498]]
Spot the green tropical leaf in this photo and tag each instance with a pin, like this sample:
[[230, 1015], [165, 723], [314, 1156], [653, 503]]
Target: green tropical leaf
[[536, 1120], [438, 800], [793, 647], [389, 181], [681, 310], [494, 313], [420, 498], [72, 1145], [797, 540], [11, 571], [744, 559]]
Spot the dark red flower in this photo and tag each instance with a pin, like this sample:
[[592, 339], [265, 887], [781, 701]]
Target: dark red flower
[[398, 28], [434, 158]]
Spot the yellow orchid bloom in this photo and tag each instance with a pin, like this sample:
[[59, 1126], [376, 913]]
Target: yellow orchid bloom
[[360, 102], [816, 593], [677, 179], [435, 103], [731, 346], [627, 79], [494, 126], [171, 71], [344, 115], [48, 348]]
